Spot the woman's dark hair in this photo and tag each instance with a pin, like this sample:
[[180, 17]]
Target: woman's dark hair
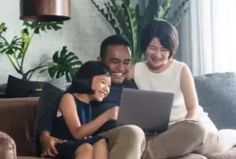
[[115, 39], [164, 31], [82, 80]]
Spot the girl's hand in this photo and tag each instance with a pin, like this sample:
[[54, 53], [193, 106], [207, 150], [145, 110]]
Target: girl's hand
[[112, 113]]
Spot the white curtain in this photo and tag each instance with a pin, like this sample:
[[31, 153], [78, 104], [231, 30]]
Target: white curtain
[[213, 36]]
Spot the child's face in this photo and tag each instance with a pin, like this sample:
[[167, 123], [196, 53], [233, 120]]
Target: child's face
[[156, 55], [101, 85]]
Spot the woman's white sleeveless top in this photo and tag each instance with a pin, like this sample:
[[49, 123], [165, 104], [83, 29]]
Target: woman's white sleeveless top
[[166, 81]]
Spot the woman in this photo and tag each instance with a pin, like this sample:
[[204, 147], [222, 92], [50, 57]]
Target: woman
[[161, 72]]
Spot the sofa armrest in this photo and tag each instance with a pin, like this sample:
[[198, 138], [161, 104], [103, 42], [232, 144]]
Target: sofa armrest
[[7, 147], [17, 117]]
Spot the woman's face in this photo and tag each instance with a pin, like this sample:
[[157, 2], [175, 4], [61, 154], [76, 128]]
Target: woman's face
[[157, 56], [101, 85]]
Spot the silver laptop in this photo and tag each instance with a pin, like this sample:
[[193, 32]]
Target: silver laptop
[[149, 110]]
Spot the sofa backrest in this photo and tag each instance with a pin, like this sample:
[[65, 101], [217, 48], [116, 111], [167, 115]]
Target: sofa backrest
[[17, 119], [217, 96]]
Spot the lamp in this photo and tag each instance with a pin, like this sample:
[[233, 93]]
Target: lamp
[[45, 10]]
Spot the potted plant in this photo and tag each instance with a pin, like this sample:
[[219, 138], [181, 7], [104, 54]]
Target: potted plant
[[62, 63], [127, 18]]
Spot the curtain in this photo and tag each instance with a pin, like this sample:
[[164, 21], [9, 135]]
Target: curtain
[[212, 26]]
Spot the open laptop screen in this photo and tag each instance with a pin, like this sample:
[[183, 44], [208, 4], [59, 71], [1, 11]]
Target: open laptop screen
[[149, 110]]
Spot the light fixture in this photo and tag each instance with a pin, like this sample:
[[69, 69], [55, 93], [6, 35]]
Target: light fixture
[[45, 10]]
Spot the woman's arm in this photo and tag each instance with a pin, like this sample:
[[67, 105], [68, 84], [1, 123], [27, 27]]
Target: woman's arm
[[68, 109], [189, 93], [130, 74]]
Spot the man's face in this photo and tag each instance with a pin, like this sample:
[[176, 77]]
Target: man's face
[[118, 61]]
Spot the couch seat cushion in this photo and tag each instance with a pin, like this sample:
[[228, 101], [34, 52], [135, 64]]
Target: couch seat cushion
[[7, 147], [229, 154]]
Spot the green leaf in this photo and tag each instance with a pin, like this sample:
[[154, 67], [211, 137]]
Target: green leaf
[[16, 49], [64, 64], [10, 48], [3, 28], [125, 18], [37, 27]]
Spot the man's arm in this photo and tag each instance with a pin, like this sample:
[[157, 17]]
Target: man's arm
[[47, 110], [48, 143]]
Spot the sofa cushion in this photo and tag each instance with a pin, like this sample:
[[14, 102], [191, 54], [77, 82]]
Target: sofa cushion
[[31, 157], [217, 93], [17, 119], [3, 90], [192, 156], [7, 147], [229, 154], [23, 88]]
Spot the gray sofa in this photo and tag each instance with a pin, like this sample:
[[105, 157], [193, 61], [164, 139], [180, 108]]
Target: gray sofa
[[216, 92], [217, 95]]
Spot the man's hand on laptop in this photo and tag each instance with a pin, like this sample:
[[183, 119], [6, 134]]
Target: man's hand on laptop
[[112, 113]]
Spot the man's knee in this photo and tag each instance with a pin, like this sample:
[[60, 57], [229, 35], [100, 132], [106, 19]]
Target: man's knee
[[128, 134], [132, 132], [126, 142], [125, 132]]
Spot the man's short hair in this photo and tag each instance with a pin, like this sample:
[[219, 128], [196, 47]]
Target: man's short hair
[[116, 39]]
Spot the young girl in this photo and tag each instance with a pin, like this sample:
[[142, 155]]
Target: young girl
[[160, 72], [73, 120]]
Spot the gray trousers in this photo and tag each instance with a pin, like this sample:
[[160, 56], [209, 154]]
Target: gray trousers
[[180, 139], [125, 142], [128, 142]]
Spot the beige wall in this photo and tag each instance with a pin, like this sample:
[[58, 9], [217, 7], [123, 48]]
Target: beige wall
[[82, 35]]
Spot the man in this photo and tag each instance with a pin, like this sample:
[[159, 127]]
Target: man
[[126, 142]]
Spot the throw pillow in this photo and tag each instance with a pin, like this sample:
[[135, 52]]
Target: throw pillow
[[23, 88], [216, 93], [3, 90]]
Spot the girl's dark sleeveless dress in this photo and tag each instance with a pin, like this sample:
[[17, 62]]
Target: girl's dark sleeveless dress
[[61, 131]]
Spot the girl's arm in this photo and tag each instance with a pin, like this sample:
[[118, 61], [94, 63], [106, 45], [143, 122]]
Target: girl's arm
[[189, 93], [69, 112]]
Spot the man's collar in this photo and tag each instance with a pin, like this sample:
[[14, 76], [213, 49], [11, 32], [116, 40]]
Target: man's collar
[[126, 83]]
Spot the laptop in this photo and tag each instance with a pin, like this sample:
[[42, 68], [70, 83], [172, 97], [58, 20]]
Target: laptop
[[149, 110]]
